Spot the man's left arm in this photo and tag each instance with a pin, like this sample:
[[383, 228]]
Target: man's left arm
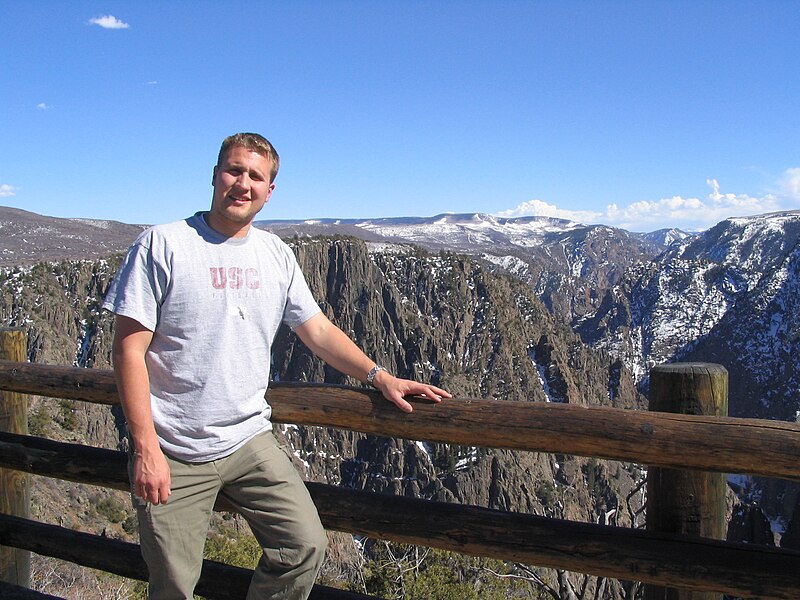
[[333, 346]]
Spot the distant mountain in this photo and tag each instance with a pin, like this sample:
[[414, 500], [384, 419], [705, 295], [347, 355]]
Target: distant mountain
[[28, 238], [667, 237], [729, 294], [470, 233], [568, 264]]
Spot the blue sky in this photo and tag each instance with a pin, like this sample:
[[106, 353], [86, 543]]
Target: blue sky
[[641, 115]]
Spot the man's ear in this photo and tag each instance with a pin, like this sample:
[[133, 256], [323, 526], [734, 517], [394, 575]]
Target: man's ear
[[213, 175]]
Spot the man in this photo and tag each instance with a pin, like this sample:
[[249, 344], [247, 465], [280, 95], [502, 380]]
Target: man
[[198, 303]]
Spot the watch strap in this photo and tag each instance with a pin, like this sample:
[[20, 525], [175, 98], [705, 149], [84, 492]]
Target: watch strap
[[373, 372]]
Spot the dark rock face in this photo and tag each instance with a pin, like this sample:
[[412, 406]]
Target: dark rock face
[[58, 305], [791, 537], [749, 524], [443, 319]]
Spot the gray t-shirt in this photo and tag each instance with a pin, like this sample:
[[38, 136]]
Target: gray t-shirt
[[214, 305]]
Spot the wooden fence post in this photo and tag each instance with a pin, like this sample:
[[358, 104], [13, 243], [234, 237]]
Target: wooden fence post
[[682, 501], [15, 489]]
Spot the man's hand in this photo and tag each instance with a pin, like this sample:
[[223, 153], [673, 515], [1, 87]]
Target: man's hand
[[151, 476], [394, 390]]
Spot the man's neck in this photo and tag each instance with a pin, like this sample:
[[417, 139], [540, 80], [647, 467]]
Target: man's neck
[[226, 228]]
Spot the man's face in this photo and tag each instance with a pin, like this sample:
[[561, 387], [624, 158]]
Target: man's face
[[241, 189]]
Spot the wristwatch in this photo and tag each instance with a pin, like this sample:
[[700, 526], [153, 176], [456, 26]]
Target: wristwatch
[[373, 372]]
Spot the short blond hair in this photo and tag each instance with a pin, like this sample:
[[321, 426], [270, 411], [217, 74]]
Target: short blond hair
[[255, 143]]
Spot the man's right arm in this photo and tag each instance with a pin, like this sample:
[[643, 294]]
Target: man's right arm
[[151, 476]]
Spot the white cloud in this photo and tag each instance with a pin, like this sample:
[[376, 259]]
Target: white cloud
[[109, 22], [790, 184], [543, 209], [7, 190], [691, 214], [43, 106]]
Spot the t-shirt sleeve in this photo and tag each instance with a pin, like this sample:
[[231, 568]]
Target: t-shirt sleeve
[[138, 287], [300, 302]]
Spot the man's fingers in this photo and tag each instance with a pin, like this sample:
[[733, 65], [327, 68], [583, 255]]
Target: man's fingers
[[402, 404], [156, 496], [433, 393], [439, 393], [152, 481], [395, 389], [153, 494]]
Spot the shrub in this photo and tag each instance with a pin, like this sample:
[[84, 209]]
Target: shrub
[[112, 509], [233, 547], [38, 421], [131, 524], [69, 420]]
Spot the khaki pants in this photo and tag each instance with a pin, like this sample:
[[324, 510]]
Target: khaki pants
[[260, 480]]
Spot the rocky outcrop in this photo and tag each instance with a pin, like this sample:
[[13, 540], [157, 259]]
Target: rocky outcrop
[[729, 296], [749, 524], [58, 306], [444, 318]]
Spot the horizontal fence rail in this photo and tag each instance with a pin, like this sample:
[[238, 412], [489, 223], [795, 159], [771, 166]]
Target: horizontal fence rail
[[722, 444], [662, 559], [11, 591], [670, 440], [217, 580]]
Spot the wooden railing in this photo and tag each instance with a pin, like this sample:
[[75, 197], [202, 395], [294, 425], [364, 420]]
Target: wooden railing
[[671, 441]]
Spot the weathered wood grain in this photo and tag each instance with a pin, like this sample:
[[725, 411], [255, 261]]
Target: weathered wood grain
[[722, 444], [683, 501], [663, 559], [15, 486], [218, 581]]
